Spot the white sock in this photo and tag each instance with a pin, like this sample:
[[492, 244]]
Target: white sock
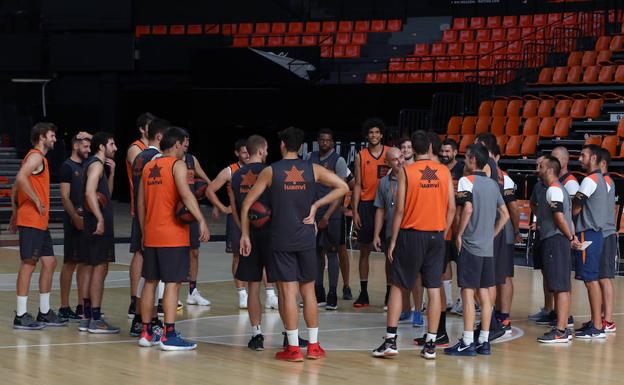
[[241, 291], [484, 336], [44, 302], [447, 291], [156, 296], [255, 330], [22, 305], [161, 289], [269, 291], [140, 287], [431, 337], [293, 337], [468, 337], [313, 335]]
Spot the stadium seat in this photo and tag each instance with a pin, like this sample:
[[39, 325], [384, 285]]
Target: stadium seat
[[177, 29], [276, 41], [498, 34], [606, 74], [240, 41], [562, 127], [514, 33], [562, 109], [530, 126], [545, 108], [421, 49], [263, 28], [529, 145], [362, 26], [396, 64], [483, 125], [590, 75], [620, 128], [610, 142], [378, 26], [412, 64], [593, 109], [513, 126], [529, 109], [513, 147], [528, 33], [309, 40], [353, 51], [477, 22], [485, 47], [141, 30], [603, 43], [292, 40], [575, 58], [194, 29], [310, 27], [513, 107], [326, 39], [454, 49], [329, 27], [574, 75], [604, 57], [545, 76], [546, 128], [345, 26], [159, 29], [539, 20], [394, 25], [593, 139], [560, 75], [212, 29], [468, 125], [454, 125], [449, 36], [485, 108], [466, 140], [483, 35], [589, 58], [257, 41], [438, 49], [499, 108], [497, 126], [554, 18], [460, 23], [510, 21], [245, 28], [617, 43], [470, 48], [280, 28], [525, 21], [493, 22], [501, 140], [454, 137]]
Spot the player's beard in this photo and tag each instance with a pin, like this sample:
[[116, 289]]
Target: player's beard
[[445, 159]]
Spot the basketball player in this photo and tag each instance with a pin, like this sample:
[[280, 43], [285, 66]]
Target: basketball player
[[98, 230], [479, 199], [166, 240], [30, 200], [292, 190], [591, 208], [143, 122], [155, 132], [194, 169], [405, 145], [369, 168], [71, 187], [448, 156], [250, 268], [423, 214], [557, 236], [328, 220], [609, 257], [232, 229]]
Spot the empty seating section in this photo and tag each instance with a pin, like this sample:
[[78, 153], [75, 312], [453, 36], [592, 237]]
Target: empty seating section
[[341, 39], [474, 47]]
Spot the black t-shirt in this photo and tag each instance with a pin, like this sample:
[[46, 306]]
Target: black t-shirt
[[72, 172]]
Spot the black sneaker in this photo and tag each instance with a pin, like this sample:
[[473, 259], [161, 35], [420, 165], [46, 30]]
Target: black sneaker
[[442, 340], [132, 309], [346, 293], [428, 351], [496, 331], [556, 337], [136, 327], [332, 301], [68, 314], [303, 343], [387, 349], [51, 319], [321, 300], [483, 348], [27, 322], [362, 300], [79, 311], [546, 319], [256, 343]]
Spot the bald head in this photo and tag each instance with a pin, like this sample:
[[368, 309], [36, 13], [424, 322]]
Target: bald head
[[392, 153], [394, 159], [563, 156]]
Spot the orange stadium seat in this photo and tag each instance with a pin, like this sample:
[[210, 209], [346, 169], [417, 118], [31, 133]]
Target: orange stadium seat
[[530, 108], [562, 127], [575, 58], [497, 126], [454, 125], [485, 108], [562, 109], [483, 125], [530, 126], [499, 108], [513, 126], [529, 145], [546, 127], [513, 107], [466, 140], [593, 139], [468, 125], [514, 144], [610, 142]]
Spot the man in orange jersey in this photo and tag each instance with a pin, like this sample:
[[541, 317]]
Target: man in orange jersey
[[166, 239], [423, 214], [143, 122], [98, 230], [30, 200], [370, 167], [232, 229]]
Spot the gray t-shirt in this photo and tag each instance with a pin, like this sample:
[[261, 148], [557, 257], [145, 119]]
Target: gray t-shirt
[[341, 165], [593, 196], [557, 200], [610, 227], [385, 198], [509, 195], [484, 195]]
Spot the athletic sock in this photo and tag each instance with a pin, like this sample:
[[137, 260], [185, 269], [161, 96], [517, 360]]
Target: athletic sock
[[503, 316], [391, 331], [96, 313], [448, 292], [22, 305], [484, 336], [468, 337], [87, 308], [255, 330], [364, 286], [170, 330], [313, 335], [133, 299], [442, 324], [431, 337], [44, 302], [293, 337], [192, 286]]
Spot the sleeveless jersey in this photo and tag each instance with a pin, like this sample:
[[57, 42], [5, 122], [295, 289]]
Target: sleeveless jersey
[[102, 188], [322, 190], [138, 165], [242, 182], [27, 212], [372, 169]]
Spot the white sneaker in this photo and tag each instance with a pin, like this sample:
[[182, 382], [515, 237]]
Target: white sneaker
[[458, 307], [271, 302], [195, 298], [242, 299]]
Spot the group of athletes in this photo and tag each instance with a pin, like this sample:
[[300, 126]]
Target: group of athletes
[[418, 204]]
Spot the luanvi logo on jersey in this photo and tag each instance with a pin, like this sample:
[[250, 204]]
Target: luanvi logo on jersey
[[294, 179], [429, 175], [249, 179], [154, 176]]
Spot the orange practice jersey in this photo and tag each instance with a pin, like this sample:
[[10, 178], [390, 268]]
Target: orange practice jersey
[[426, 198], [162, 228], [27, 212], [233, 168], [371, 171], [142, 147]]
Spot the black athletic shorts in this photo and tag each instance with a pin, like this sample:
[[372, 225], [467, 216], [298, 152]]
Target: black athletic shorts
[[450, 251], [366, 209], [100, 248], [250, 268], [343, 230], [232, 236], [417, 252], [167, 264], [34, 243], [473, 271], [329, 238], [608, 261], [194, 234], [536, 251], [294, 266], [501, 259], [74, 246], [136, 238], [556, 260]]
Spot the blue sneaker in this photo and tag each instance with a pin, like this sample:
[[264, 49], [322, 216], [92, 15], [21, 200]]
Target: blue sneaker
[[590, 333], [417, 319], [176, 343], [484, 348], [461, 349], [553, 323], [405, 316]]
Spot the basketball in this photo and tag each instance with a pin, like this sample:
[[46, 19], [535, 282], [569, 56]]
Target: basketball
[[102, 201], [200, 188], [183, 214], [259, 215]]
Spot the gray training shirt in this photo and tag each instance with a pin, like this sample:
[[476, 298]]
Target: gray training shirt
[[386, 199], [557, 200], [593, 196]]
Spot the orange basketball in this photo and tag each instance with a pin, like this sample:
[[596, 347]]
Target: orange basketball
[[259, 215], [183, 214]]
